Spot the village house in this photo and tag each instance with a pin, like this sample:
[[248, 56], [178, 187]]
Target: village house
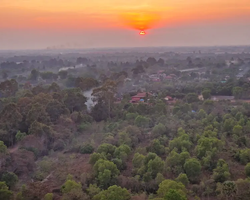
[[168, 77], [170, 100], [141, 97]]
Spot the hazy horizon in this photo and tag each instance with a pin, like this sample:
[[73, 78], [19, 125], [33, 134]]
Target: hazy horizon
[[38, 24]]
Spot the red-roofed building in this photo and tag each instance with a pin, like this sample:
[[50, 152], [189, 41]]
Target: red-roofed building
[[140, 97], [161, 71], [170, 100], [169, 77]]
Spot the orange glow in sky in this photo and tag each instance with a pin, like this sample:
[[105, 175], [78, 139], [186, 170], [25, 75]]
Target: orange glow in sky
[[140, 20], [60, 17], [140, 15]]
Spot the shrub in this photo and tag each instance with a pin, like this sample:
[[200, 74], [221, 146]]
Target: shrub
[[10, 179], [131, 116], [3, 148], [84, 126], [45, 165], [182, 178], [221, 172], [247, 169], [48, 196], [19, 136], [159, 129], [192, 168], [5, 194], [174, 195], [86, 149], [113, 193]]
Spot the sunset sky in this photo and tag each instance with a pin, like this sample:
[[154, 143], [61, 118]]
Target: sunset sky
[[32, 24]]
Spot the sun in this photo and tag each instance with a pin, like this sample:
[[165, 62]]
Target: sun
[[142, 33]]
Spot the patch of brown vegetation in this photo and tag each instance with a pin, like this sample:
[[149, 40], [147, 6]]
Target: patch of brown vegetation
[[74, 164], [22, 162]]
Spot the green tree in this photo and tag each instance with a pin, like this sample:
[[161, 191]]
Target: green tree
[[34, 75], [38, 90], [37, 113], [9, 87], [182, 178], [138, 70], [207, 144], [100, 111], [159, 178], [156, 147], [182, 142], [48, 76], [54, 88], [155, 166], [206, 94], [174, 195], [5, 194], [87, 149], [85, 83], [221, 172], [192, 168], [202, 114], [191, 97], [138, 160], [141, 121], [19, 136], [124, 138], [63, 74], [176, 161], [10, 179], [176, 109], [228, 125], [48, 196], [247, 169], [107, 150], [122, 152], [55, 109], [3, 148], [113, 193], [167, 185], [152, 165], [93, 190], [74, 100], [106, 173], [95, 157], [131, 116], [159, 129], [160, 107], [237, 130], [244, 156], [229, 189], [41, 130], [105, 95], [72, 190], [237, 92], [70, 185], [10, 119]]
